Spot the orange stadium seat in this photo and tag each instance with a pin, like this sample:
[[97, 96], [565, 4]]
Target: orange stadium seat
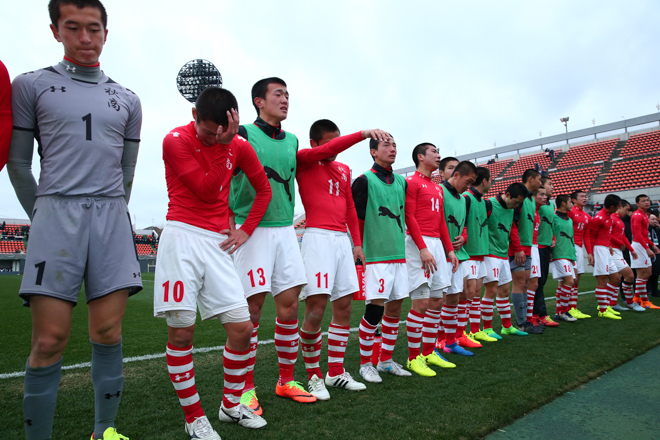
[[583, 178], [497, 167], [527, 162], [587, 154], [642, 144], [632, 174]]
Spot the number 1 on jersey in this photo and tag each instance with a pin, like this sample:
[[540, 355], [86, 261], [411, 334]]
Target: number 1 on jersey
[[88, 126]]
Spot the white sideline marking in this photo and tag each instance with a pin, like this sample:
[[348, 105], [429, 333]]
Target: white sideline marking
[[148, 357]]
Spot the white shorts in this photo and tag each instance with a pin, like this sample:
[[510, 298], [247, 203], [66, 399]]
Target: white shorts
[[457, 278], [579, 260], [192, 271], [561, 269], [603, 261], [388, 281], [440, 279], [642, 261], [535, 271], [497, 269], [270, 261], [619, 262], [475, 269], [329, 264]]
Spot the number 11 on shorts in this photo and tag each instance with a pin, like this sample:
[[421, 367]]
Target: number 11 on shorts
[[319, 275]]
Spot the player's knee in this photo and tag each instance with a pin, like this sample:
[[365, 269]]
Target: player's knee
[[181, 337], [314, 314], [47, 346], [373, 313], [108, 333], [341, 310]]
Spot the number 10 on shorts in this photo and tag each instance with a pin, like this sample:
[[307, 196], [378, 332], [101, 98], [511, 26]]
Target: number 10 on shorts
[[177, 291]]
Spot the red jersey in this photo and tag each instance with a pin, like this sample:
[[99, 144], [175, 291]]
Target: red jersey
[[198, 179], [580, 224], [325, 187], [424, 211], [5, 115], [537, 223], [599, 231], [639, 223], [618, 238]]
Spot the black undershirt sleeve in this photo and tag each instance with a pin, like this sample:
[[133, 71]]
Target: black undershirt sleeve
[[242, 132], [359, 190], [467, 210], [489, 207]]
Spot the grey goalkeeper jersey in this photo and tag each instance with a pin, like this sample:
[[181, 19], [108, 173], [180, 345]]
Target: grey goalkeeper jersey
[[80, 128]]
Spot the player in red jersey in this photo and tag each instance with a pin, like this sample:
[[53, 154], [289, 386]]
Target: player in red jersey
[[597, 241], [194, 267], [645, 250], [618, 241], [325, 190], [428, 246], [5, 115], [580, 224]]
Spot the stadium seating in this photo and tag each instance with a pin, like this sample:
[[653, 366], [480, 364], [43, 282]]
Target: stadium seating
[[642, 144], [13, 230], [497, 167], [11, 246], [631, 174], [500, 185], [527, 162], [144, 249], [588, 154], [565, 182], [300, 225]]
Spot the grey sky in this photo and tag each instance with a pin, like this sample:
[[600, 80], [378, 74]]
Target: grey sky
[[461, 75]]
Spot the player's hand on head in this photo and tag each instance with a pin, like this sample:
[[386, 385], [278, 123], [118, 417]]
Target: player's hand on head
[[235, 239], [225, 135], [358, 254], [428, 262], [376, 134]]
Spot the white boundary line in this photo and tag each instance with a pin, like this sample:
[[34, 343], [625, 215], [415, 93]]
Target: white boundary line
[[148, 357]]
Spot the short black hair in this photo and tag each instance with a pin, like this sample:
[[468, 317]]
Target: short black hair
[[612, 200], [576, 193], [561, 199], [320, 128], [373, 145], [544, 180], [624, 203], [465, 168], [213, 103], [445, 161], [421, 149], [260, 88], [640, 197], [516, 190], [530, 174], [54, 9], [483, 173]]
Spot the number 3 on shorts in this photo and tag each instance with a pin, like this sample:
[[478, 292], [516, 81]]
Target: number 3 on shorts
[[381, 289], [177, 292]]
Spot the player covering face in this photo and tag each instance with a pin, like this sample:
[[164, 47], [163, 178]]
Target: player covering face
[[496, 264], [80, 222], [329, 258], [194, 268], [428, 247]]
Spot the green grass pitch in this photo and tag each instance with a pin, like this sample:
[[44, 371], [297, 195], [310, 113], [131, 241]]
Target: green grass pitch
[[502, 382]]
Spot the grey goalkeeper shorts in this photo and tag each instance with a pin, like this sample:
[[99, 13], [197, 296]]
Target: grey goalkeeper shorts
[[80, 238]]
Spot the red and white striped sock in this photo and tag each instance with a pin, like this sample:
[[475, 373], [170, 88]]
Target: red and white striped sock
[[487, 312], [390, 329], [286, 345], [602, 298], [430, 331], [462, 317], [475, 315], [182, 375], [414, 324], [366, 334], [628, 292], [558, 300], [530, 304], [614, 293], [249, 379], [640, 288], [337, 341], [449, 322], [504, 309], [441, 329], [311, 351], [235, 365], [572, 303], [566, 298]]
